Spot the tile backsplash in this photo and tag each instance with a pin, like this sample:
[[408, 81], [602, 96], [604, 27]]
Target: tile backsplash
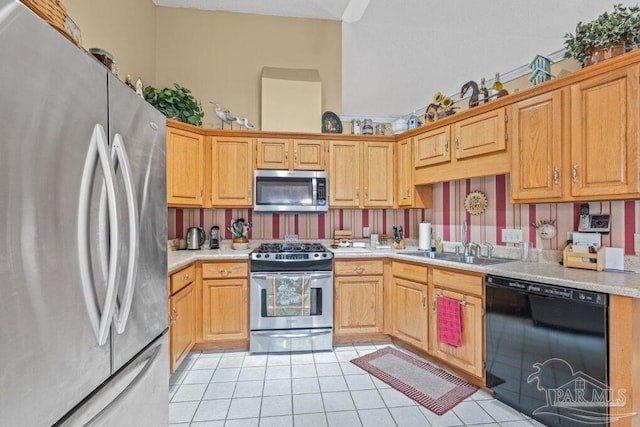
[[447, 216]]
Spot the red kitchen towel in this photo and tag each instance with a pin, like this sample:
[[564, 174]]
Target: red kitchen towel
[[449, 321]]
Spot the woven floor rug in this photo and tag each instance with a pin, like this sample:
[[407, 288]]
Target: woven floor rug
[[433, 388]]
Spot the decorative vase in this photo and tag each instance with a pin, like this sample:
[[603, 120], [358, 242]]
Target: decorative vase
[[599, 53]]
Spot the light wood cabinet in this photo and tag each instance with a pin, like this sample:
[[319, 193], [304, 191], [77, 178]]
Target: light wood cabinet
[[290, 154], [537, 128], [361, 174], [231, 171], [409, 303], [225, 293], [466, 148], [482, 134], [408, 195], [358, 297], [182, 315], [604, 137], [469, 291], [433, 147], [185, 167]]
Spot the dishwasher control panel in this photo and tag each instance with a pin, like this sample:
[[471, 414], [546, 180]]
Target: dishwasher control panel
[[548, 290]]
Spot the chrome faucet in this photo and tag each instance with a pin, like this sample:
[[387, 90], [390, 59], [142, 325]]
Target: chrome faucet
[[489, 247], [465, 245], [474, 249]]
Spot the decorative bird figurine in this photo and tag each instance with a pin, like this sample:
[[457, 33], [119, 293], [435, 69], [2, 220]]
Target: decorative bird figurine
[[239, 122], [221, 115], [246, 123], [229, 118], [475, 92]]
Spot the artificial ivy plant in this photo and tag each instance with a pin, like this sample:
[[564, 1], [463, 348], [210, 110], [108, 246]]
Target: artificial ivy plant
[[176, 103]]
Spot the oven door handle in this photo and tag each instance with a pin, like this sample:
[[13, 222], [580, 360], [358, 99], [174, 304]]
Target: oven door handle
[[300, 335], [310, 276]]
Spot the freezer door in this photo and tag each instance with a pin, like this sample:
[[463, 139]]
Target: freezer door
[[138, 395], [138, 130], [53, 96]]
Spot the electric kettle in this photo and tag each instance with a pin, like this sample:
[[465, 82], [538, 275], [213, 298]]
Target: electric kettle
[[195, 237]]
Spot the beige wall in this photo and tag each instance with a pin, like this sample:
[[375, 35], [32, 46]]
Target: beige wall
[[125, 28], [220, 56]]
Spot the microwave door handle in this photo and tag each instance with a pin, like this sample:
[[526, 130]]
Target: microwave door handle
[[314, 186]]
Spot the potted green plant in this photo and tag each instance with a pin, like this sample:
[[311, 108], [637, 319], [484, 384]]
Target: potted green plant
[[178, 103], [610, 34]]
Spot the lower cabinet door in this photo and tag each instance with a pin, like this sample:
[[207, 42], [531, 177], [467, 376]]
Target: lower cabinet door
[[183, 318], [358, 305], [409, 312], [224, 309], [469, 355]]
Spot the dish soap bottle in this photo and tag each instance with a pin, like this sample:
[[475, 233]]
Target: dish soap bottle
[[438, 242]]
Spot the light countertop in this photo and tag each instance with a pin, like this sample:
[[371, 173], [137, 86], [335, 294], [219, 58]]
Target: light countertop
[[544, 272]]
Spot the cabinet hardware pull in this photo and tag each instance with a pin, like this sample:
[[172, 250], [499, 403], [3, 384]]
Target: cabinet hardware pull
[[176, 316], [424, 302], [574, 173], [249, 192], [201, 191], [556, 175], [359, 269], [506, 118], [185, 277], [295, 157], [457, 143], [446, 145], [433, 305], [357, 192], [506, 136], [366, 193], [286, 157], [408, 191]]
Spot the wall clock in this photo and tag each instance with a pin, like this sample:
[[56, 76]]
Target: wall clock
[[475, 203]]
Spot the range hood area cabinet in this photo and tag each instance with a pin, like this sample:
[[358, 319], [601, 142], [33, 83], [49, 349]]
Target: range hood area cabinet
[[579, 142], [291, 154]]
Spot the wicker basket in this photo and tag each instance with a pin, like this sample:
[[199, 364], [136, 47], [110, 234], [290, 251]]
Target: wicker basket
[[52, 11]]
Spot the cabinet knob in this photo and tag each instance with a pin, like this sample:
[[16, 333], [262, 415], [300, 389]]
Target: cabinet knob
[[358, 269], [556, 175], [574, 173], [446, 145], [457, 143]]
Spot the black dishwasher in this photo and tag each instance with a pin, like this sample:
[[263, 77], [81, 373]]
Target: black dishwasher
[[546, 351]]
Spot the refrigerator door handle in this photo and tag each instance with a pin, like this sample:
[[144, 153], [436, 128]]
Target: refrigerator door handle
[[119, 154], [100, 318]]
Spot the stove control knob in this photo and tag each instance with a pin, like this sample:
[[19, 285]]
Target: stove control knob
[[324, 255], [258, 255], [316, 255], [266, 255]]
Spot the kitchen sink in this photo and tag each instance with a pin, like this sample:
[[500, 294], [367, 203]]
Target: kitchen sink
[[446, 256]]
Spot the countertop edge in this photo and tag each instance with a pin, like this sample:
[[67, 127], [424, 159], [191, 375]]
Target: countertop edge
[[627, 285]]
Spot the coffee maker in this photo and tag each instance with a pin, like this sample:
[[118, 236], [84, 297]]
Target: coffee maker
[[214, 237]]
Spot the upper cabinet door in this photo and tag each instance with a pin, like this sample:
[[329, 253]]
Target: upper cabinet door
[[344, 175], [309, 154], [404, 173], [231, 171], [378, 174], [604, 140], [185, 168], [433, 147], [273, 153], [536, 155], [481, 134]]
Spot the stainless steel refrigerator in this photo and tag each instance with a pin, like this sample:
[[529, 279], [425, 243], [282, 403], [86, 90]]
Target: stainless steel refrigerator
[[83, 300]]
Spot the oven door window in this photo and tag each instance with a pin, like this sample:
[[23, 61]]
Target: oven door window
[[289, 192], [290, 295]]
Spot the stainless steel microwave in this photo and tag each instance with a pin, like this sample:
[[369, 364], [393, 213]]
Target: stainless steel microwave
[[290, 191]]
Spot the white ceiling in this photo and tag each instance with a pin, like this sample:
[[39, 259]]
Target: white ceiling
[[337, 10]]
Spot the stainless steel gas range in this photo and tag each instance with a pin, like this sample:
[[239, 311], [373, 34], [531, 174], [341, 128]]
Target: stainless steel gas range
[[291, 305]]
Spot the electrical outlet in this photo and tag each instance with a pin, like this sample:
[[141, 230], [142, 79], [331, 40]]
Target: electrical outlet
[[366, 232], [511, 235]]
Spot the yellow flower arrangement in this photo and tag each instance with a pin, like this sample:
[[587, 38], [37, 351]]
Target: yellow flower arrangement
[[442, 106]]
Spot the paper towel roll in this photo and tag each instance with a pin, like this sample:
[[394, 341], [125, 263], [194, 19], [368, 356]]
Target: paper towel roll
[[424, 236]]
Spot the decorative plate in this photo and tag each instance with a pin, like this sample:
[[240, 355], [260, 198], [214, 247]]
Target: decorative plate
[[475, 203], [331, 123]]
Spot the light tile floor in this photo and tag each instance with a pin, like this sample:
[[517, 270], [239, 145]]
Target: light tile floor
[[237, 389]]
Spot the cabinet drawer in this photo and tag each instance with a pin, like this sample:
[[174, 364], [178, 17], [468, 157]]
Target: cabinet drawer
[[465, 283], [182, 278], [416, 273], [224, 270], [358, 268]]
